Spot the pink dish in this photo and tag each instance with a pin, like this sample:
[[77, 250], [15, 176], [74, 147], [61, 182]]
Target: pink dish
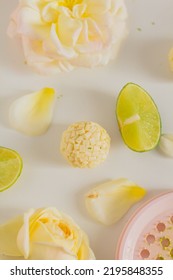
[[149, 233]]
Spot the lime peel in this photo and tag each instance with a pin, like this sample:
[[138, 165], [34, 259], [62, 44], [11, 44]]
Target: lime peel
[[11, 166], [138, 118]]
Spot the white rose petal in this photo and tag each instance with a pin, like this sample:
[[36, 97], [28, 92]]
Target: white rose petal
[[44, 234], [32, 113], [166, 144], [108, 202]]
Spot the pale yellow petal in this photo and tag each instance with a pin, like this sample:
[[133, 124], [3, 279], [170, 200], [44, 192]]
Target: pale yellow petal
[[23, 237], [79, 10], [69, 30], [109, 202], [30, 24], [32, 113], [85, 252], [8, 237], [47, 251], [166, 144], [97, 6], [61, 49]]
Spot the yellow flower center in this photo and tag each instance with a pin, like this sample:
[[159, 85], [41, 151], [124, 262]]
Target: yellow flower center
[[69, 3], [65, 229]]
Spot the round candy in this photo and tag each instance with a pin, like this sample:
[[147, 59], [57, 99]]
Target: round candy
[[85, 144]]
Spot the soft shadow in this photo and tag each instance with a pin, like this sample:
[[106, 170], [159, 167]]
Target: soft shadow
[[9, 213], [46, 148], [145, 57], [154, 58]]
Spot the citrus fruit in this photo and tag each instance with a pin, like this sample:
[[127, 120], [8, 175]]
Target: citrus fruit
[[10, 167], [138, 118]]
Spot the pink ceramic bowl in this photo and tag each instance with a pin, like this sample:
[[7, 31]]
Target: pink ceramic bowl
[[149, 233]]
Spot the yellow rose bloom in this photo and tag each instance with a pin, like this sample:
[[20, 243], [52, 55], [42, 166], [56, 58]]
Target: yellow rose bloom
[[44, 234], [63, 34]]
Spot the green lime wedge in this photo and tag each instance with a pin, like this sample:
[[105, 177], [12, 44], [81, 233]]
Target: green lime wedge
[[138, 118], [10, 167]]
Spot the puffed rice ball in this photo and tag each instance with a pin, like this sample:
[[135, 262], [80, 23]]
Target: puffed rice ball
[[85, 144]]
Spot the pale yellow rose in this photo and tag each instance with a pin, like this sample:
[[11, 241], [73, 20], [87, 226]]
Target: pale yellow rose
[[58, 35], [44, 234]]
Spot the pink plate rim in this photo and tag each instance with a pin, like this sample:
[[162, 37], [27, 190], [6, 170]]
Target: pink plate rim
[[132, 218]]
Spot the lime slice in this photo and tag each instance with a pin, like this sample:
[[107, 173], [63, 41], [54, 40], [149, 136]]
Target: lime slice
[[10, 167], [138, 118]]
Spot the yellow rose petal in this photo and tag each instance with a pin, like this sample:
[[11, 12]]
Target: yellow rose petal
[[8, 236], [109, 202], [44, 234], [32, 113], [48, 251], [85, 253], [23, 238]]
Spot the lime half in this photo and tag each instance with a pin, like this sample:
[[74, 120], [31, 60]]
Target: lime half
[[138, 118], [10, 167]]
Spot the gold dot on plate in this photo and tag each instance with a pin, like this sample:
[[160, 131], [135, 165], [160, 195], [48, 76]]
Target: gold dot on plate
[[165, 242], [145, 254], [161, 227], [160, 257], [171, 253], [150, 238]]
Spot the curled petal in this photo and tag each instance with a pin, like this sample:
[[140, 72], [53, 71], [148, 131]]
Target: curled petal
[[85, 253], [97, 6], [108, 202], [32, 113], [23, 240], [62, 50], [79, 10], [69, 30], [118, 8], [166, 144], [8, 237]]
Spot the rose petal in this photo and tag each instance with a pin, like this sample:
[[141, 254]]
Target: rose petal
[[85, 253], [79, 10], [8, 236], [97, 6], [32, 113], [68, 30], [47, 251], [118, 8], [34, 52], [108, 202], [61, 49], [29, 23], [12, 28], [166, 144], [22, 239], [30, 3]]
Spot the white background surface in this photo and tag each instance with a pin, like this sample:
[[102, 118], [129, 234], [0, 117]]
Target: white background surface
[[47, 180]]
